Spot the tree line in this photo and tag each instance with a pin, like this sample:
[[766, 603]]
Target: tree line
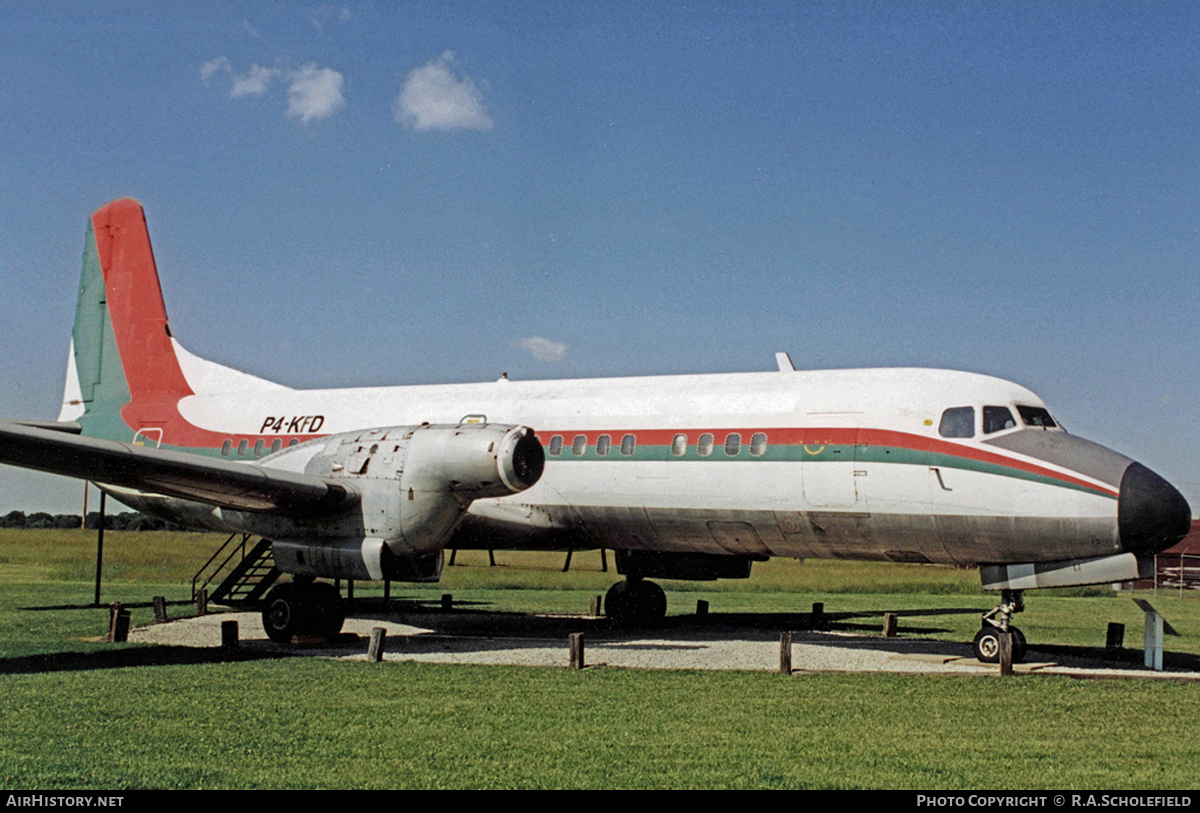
[[125, 521]]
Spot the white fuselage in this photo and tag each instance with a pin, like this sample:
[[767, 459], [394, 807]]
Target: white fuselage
[[838, 463]]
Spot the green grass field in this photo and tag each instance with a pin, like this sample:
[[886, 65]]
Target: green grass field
[[79, 713]]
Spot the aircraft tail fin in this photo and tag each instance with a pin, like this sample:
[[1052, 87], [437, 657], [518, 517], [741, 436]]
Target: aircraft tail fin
[[123, 365], [126, 374], [123, 373]]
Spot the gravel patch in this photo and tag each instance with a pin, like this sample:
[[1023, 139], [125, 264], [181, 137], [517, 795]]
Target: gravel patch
[[489, 638]]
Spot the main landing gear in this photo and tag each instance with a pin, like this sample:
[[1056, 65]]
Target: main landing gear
[[987, 640], [303, 607], [635, 602]]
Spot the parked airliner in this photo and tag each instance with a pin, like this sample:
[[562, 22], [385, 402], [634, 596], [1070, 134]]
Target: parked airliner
[[683, 477]]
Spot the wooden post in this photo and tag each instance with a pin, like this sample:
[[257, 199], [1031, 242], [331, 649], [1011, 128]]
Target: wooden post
[[603, 560], [160, 609], [118, 632], [375, 648], [785, 653], [1005, 653], [818, 614], [1115, 638], [889, 625], [575, 639], [114, 610], [594, 607], [447, 601], [701, 608], [229, 635], [202, 601]]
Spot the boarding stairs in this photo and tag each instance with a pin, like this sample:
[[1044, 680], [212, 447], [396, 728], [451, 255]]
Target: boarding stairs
[[242, 573]]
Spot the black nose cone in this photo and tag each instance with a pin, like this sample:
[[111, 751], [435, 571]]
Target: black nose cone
[[1151, 514]]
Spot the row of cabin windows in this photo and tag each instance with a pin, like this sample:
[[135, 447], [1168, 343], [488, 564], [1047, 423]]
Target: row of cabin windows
[[679, 444], [260, 447]]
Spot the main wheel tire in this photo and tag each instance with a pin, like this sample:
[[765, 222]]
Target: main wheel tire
[[324, 610], [282, 615], [635, 603]]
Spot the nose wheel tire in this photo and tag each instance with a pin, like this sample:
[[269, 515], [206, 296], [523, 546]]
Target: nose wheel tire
[[987, 644]]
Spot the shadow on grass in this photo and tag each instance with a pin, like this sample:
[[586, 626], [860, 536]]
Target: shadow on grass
[[127, 656], [133, 605]]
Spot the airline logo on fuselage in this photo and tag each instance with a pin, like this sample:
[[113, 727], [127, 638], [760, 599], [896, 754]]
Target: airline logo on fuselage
[[293, 425]]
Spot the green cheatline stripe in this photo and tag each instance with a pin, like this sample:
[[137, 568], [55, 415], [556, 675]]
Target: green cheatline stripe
[[792, 453]]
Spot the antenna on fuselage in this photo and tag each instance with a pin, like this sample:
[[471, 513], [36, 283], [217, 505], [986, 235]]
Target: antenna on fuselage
[[785, 363]]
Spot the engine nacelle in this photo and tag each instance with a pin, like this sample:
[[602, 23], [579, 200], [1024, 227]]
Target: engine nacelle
[[414, 483]]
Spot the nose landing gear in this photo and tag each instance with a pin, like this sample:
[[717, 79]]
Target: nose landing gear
[[995, 622]]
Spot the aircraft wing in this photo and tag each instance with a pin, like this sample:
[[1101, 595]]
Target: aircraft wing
[[229, 484]]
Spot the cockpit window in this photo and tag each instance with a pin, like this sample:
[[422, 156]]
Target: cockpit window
[[997, 418], [1036, 416], [958, 422]]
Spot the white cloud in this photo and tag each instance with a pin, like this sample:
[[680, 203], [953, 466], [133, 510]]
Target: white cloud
[[315, 93], [212, 66], [543, 349], [253, 83], [433, 98]]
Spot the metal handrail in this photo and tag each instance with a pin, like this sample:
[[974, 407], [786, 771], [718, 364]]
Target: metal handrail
[[224, 562]]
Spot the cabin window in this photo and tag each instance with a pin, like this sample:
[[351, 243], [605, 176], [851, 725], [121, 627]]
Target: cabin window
[[276, 445], [996, 419], [259, 445], [704, 447], [958, 422], [556, 444], [579, 445], [627, 444], [1036, 416], [293, 442], [679, 445], [242, 445], [602, 444], [758, 444], [226, 448], [733, 444]]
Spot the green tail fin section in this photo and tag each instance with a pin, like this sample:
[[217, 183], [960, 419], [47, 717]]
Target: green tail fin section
[[100, 389]]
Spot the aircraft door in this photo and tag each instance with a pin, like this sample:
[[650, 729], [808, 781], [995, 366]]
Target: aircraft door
[[828, 468]]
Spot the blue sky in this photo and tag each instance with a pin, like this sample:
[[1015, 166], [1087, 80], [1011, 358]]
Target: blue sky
[[379, 193]]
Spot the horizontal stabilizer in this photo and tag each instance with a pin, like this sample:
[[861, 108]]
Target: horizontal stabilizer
[[228, 484]]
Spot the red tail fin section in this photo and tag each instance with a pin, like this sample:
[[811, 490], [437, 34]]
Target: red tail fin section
[[135, 305]]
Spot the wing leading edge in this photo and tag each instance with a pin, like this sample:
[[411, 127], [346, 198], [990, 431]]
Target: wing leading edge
[[228, 484]]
